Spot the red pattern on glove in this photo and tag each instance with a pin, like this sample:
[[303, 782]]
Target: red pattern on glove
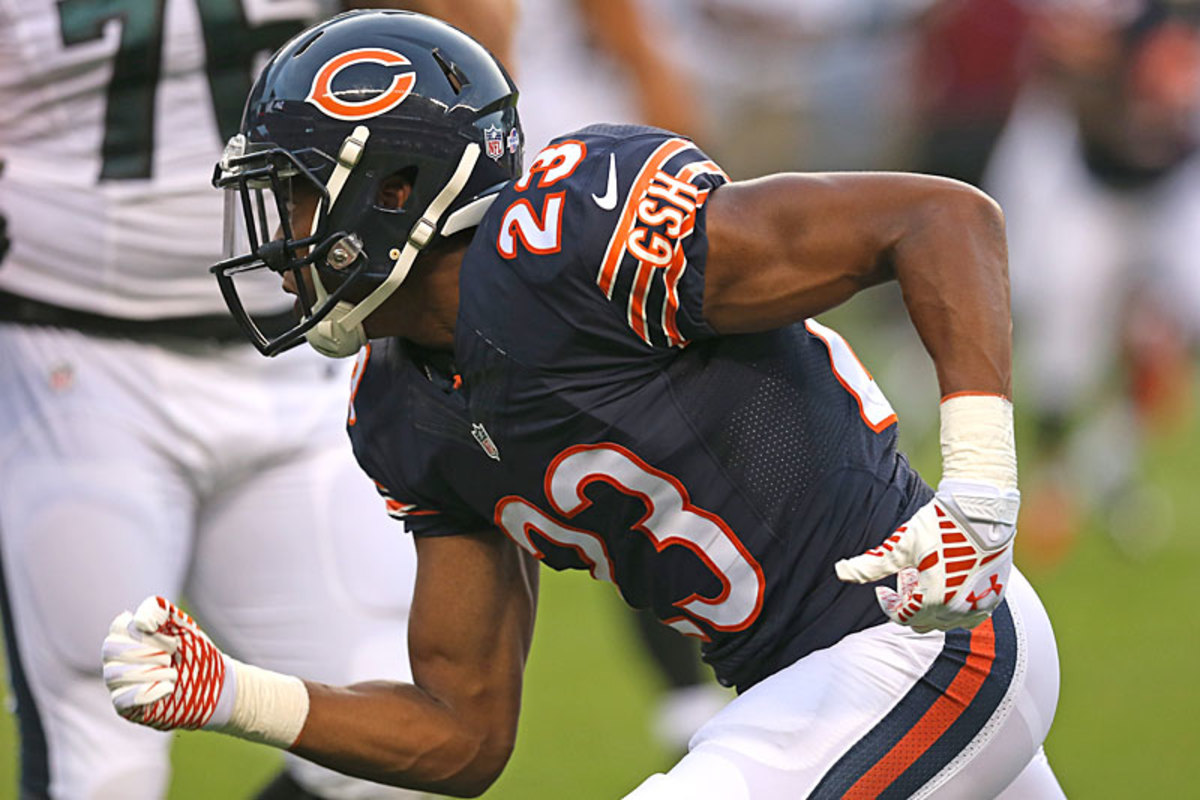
[[201, 669]]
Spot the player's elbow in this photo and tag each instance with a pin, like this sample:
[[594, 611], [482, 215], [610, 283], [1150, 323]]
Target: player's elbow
[[950, 221], [960, 209], [494, 748], [978, 206], [484, 758], [465, 754], [469, 772]]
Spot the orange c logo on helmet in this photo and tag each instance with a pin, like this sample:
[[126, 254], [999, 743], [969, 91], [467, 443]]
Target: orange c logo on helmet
[[321, 94]]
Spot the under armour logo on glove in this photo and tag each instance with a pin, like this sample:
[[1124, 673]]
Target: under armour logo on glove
[[996, 587], [161, 669], [951, 559]]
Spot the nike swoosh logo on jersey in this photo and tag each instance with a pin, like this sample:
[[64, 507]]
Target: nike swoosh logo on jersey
[[609, 201]]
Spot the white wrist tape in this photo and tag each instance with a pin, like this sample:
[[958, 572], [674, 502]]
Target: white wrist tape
[[977, 440], [265, 706]]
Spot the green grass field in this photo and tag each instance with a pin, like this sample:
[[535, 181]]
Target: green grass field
[[1126, 724]]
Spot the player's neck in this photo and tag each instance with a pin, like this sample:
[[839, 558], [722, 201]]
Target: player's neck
[[425, 308]]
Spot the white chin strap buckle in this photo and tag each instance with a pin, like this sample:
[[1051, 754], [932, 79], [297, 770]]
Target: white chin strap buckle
[[331, 337]]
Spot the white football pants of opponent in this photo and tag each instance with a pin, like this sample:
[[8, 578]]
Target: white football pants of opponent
[[186, 469]]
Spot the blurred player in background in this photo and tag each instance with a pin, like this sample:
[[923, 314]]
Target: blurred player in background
[[492, 22], [607, 363], [588, 61], [798, 84], [1099, 172], [972, 58], [144, 447]]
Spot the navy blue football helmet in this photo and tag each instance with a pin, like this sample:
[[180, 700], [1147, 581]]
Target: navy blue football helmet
[[344, 107]]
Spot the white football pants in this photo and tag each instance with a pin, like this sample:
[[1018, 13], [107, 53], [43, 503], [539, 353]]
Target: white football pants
[[887, 712], [191, 470]]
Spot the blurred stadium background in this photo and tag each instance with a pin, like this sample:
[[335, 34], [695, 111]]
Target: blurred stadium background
[[1126, 723]]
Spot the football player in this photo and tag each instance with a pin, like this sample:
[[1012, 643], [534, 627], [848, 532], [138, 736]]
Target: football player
[[609, 362], [144, 446]]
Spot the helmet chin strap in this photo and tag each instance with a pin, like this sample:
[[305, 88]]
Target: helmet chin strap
[[341, 333]]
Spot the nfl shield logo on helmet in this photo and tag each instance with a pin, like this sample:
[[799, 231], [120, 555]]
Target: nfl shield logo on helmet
[[493, 138]]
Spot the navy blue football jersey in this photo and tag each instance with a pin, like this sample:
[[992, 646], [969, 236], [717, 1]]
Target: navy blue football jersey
[[593, 416]]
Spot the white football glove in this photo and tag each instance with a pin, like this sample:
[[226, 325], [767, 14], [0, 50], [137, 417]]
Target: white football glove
[[952, 558], [163, 671]]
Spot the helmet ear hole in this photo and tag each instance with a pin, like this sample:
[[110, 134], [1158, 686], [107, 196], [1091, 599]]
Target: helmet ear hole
[[395, 189]]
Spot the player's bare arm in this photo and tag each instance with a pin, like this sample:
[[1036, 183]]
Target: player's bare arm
[[452, 731], [788, 247]]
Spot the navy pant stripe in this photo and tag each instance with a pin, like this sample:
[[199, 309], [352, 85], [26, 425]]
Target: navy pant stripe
[[35, 762]]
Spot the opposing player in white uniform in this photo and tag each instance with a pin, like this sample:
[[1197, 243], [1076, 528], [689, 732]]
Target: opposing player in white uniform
[[143, 444]]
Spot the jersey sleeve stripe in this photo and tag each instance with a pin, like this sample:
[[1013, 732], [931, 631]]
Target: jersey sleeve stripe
[[675, 271], [671, 303], [636, 313], [672, 277], [695, 168], [399, 510], [606, 277]]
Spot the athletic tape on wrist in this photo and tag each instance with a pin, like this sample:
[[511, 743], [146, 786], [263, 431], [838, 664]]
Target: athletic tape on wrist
[[977, 440], [268, 707]]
